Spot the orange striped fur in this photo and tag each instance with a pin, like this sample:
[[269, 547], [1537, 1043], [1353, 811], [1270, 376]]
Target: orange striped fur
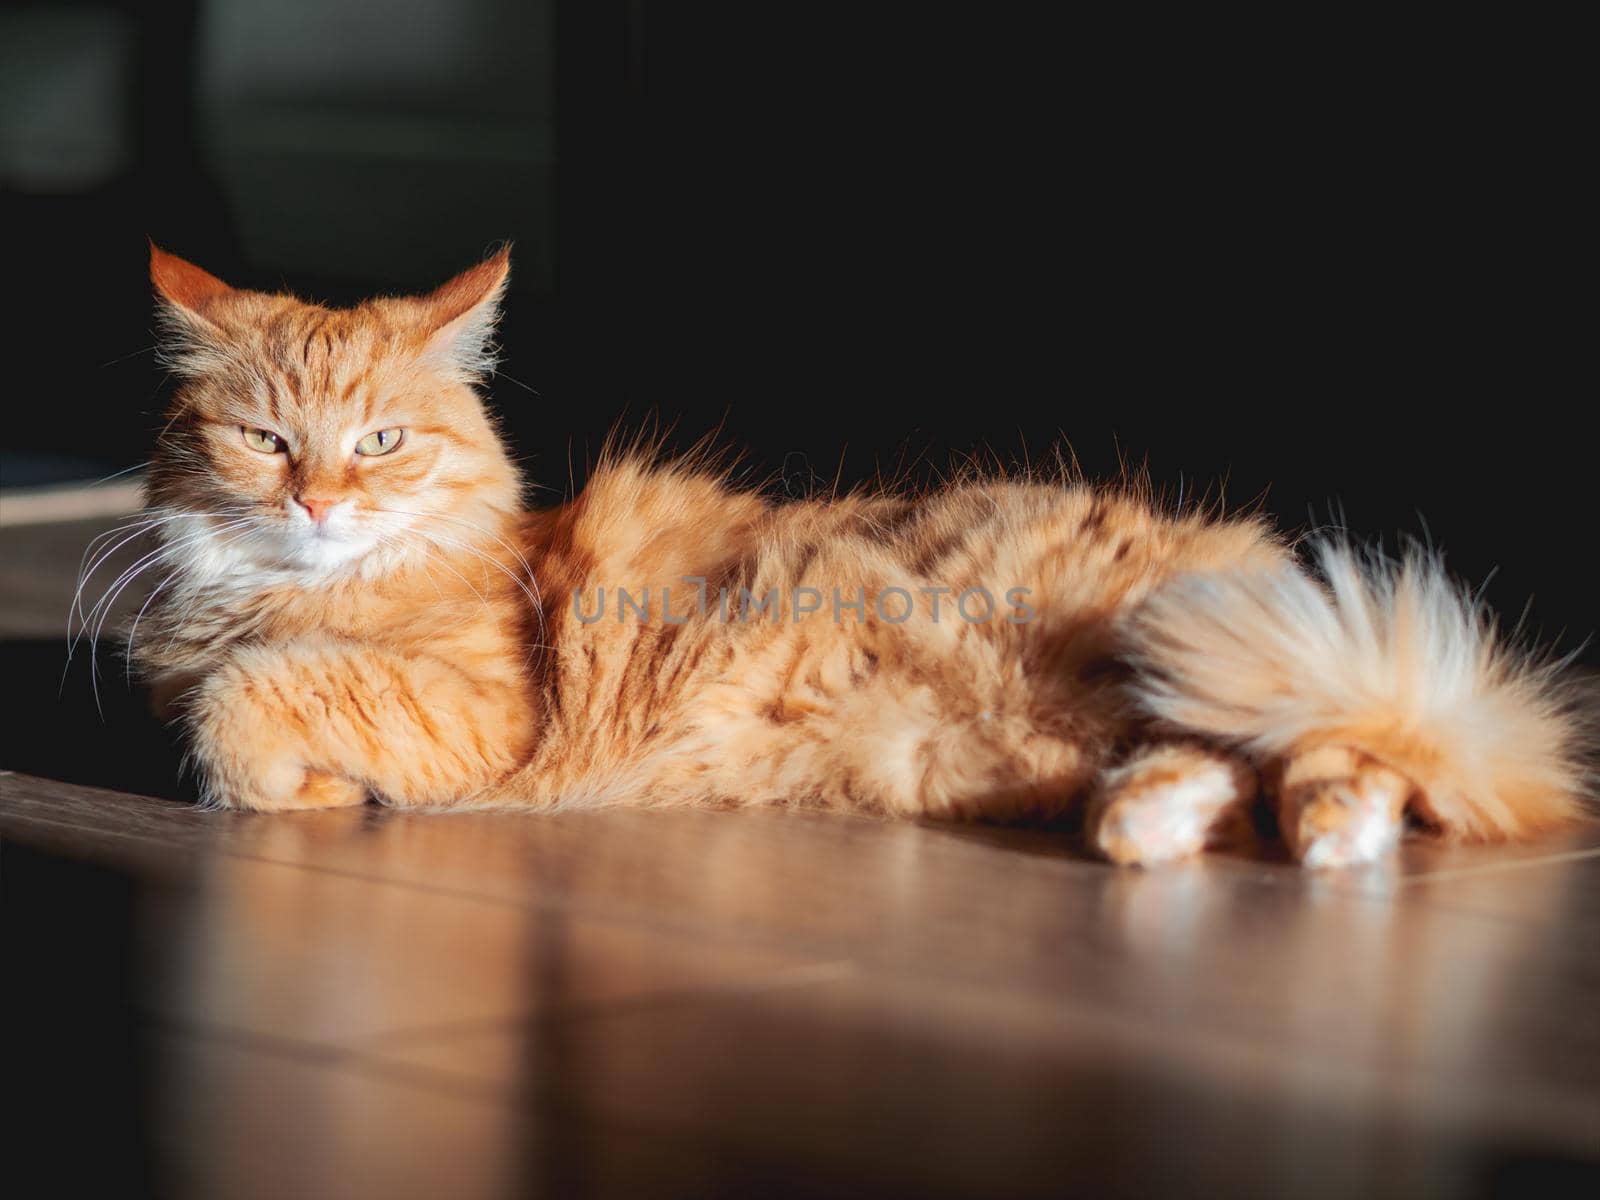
[[335, 625]]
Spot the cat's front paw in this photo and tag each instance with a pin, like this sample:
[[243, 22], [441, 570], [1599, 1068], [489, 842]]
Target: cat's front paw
[[273, 786], [251, 759], [321, 790]]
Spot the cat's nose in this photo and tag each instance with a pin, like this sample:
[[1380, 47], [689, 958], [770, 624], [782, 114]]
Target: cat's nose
[[319, 509]]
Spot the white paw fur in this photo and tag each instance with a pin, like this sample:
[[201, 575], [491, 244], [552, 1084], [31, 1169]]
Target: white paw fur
[[1346, 822], [1159, 822]]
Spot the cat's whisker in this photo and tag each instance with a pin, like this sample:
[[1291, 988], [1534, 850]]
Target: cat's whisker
[[149, 519], [109, 596], [468, 548], [108, 599], [529, 586], [445, 563], [140, 527], [426, 552], [119, 474], [127, 650], [430, 556], [74, 607], [127, 654], [404, 547], [401, 549], [499, 373], [473, 525], [533, 599]]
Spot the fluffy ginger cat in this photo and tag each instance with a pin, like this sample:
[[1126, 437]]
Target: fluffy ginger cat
[[359, 605]]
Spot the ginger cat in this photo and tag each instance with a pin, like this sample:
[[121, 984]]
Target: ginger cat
[[358, 605]]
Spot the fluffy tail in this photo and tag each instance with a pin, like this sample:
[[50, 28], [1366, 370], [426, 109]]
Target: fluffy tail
[[1391, 659]]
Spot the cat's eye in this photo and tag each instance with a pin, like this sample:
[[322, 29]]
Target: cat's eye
[[263, 440], [384, 441]]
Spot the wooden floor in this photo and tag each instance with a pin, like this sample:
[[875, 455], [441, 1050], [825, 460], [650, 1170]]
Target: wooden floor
[[367, 1003]]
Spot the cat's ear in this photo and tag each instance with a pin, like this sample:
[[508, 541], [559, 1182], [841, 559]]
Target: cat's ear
[[184, 285], [188, 301], [459, 318]]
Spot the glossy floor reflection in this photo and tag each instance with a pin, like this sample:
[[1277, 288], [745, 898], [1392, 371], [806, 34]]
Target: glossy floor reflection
[[366, 1003]]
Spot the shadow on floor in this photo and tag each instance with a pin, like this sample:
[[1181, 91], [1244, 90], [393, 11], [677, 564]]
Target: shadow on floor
[[57, 728]]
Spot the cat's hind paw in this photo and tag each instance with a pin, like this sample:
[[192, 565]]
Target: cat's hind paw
[[1338, 808], [1165, 804]]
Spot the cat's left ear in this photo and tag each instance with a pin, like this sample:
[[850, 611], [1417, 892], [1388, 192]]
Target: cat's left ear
[[460, 316]]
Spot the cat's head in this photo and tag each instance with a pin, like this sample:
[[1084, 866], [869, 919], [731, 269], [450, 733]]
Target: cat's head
[[321, 440]]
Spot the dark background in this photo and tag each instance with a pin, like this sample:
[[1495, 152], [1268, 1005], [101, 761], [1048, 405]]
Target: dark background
[[1341, 261], [1333, 264]]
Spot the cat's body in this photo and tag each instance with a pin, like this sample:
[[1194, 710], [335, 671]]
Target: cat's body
[[998, 649]]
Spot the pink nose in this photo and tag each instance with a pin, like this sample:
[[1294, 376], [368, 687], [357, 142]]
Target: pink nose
[[318, 509]]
